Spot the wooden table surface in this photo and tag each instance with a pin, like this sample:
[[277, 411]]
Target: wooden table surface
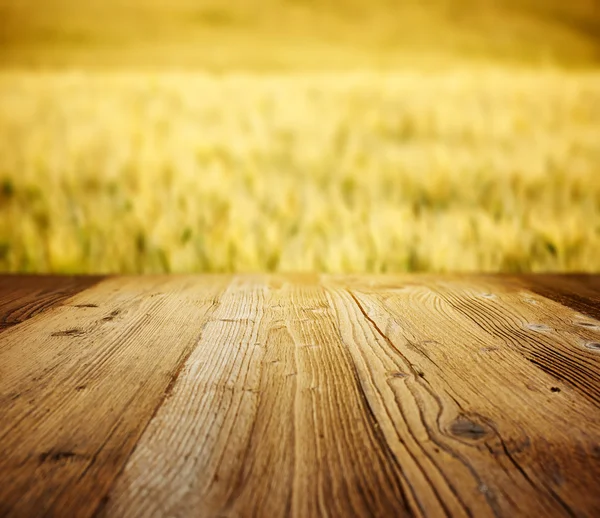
[[306, 395]]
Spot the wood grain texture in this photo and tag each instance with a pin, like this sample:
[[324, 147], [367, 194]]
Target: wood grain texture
[[580, 292], [475, 408], [265, 418], [305, 395], [79, 384], [25, 296]]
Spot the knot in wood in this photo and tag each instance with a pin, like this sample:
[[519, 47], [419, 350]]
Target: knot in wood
[[467, 429]]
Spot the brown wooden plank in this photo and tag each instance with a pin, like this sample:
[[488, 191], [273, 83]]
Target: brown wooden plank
[[413, 395], [580, 292], [25, 296], [266, 419], [553, 337], [493, 434], [79, 385], [379, 399]]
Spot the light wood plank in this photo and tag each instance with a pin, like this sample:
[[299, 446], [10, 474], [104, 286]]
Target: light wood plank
[[79, 384]]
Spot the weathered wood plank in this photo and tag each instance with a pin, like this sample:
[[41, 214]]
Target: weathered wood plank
[[580, 292], [445, 366], [78, 387], [266, 419], [25, 296], [274, 395], [556, 339]]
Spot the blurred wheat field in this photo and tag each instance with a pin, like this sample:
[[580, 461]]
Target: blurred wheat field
[[475, 169]]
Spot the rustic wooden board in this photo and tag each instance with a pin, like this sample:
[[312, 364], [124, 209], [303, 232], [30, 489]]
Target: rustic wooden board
[[28, 295], [79, 383], [580, 292], [305, 395]]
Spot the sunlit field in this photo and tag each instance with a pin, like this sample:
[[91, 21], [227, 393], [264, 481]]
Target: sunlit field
[[474, 169], [295, 135]]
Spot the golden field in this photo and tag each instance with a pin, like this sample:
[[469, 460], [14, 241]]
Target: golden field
[[481, 168], [293, 135]]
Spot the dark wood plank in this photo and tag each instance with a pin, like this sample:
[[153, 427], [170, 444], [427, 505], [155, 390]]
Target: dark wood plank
[[580, 292], [79, 385], [25, 296]]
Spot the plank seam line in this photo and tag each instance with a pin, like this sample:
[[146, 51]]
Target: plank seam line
[[182, 361]]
